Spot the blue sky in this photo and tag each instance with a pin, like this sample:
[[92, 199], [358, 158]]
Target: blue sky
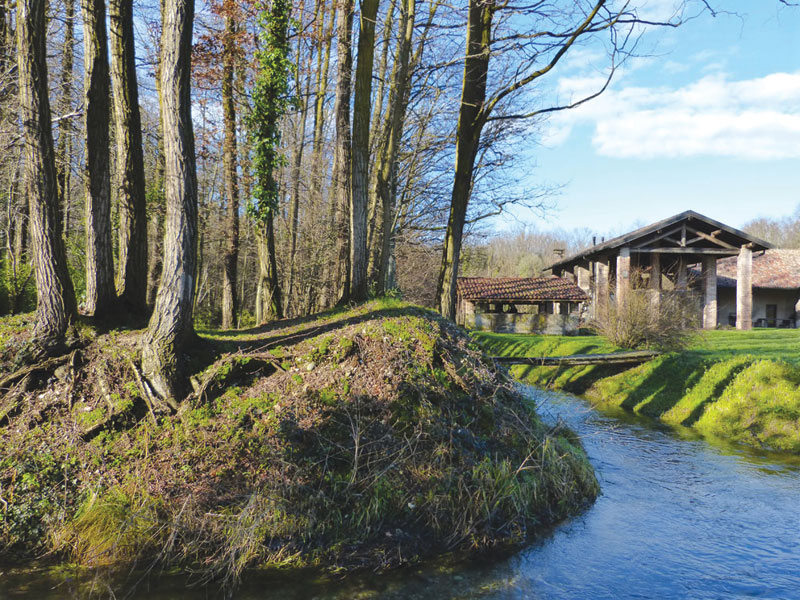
[[710, 121]]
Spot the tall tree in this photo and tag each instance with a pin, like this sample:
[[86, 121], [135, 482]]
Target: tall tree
[[64, 150], [170, 326], [130, 184], [55, 295], [527, 55], [359, 196], [386, 179], [343, 150], [230, 305], [270, 100], [100, 290]]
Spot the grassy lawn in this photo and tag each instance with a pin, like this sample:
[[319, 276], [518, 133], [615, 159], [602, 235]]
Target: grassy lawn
[[741, 385], [772, 344]]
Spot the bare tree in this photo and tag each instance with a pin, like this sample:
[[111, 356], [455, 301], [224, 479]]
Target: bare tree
[[230, 305], [527, 42], [357, 286], [100, 290], [56, 297], [171, 326], [132, 276]]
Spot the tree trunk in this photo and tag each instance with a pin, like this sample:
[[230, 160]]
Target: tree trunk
[[55, 295], [470, 124], [64, 150], [170, 326], [230, 304], [324, 60], [268, 293], [132, 277], [342, 160], [294, 215], [359, 197], [377, 142], [386, 185], [100, 291]]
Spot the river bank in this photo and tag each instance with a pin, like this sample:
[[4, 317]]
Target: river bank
[[720, 522], [363, 438], [740, 386]]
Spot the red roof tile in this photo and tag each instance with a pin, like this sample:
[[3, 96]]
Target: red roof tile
[[519, 289], [774, 269]]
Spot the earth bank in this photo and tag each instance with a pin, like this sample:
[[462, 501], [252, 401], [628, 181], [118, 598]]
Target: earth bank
[[371, 438]]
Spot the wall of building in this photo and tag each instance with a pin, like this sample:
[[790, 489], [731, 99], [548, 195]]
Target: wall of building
[[786, 301], [517, 322]]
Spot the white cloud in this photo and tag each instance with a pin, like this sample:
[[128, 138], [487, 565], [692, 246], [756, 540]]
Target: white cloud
[[713, 116]]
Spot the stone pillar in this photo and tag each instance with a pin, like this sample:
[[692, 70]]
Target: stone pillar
[[600, 290], [797, 314], [655, 272], [681, 282], [654, 285], [623, 274], [556, 308], [709, 292], [744, 289], [583, 278]]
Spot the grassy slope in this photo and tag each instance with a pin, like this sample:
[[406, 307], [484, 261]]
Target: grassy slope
[[743, 386], [364, 437]]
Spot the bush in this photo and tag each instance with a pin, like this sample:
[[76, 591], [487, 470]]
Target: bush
[[666, 322]]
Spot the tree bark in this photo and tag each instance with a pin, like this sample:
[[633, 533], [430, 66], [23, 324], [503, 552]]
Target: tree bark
[[342, 159], [132, 277], [230, 304], [64, 150], [100, 291], [268, 293], [55, 295], [294, 215], [170, 326], [473, 97], [359, 196], [386, 184]]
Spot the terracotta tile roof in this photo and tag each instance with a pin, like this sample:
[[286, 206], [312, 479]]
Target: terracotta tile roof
[[775, 269], [519, 289]]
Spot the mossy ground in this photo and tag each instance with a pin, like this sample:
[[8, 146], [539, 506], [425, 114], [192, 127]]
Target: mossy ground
[[368, 437], [739, 385]]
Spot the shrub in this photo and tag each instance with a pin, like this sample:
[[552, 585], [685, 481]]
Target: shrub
[[665, 322]]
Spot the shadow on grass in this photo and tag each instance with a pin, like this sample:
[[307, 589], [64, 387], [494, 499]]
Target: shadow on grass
[[715, 393], [291, 331], [665, 385]]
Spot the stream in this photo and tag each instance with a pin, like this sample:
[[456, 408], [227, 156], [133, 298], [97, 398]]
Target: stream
[[679, 517]]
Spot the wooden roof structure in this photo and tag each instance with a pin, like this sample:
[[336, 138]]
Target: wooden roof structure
[[519, 289], [689, 235]]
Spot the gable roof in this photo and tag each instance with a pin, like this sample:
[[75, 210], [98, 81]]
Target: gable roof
[[516, 289], [774, 269], [708, 233]]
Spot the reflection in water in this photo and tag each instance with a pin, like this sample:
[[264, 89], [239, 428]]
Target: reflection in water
[[678, 517]]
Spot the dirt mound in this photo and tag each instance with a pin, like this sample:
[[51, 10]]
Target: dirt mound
[[369, 438]]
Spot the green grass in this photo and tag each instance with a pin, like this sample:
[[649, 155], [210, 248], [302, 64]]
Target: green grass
[[740, 385]]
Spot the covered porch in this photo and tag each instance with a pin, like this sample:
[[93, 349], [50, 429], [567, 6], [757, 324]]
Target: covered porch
[[663, 254]]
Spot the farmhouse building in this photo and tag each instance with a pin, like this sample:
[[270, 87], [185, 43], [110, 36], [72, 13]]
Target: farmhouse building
[[664, 254], [520, 304]]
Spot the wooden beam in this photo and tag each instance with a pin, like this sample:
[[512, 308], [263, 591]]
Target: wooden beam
[[710, 238], [661, 237], [717, 251]]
